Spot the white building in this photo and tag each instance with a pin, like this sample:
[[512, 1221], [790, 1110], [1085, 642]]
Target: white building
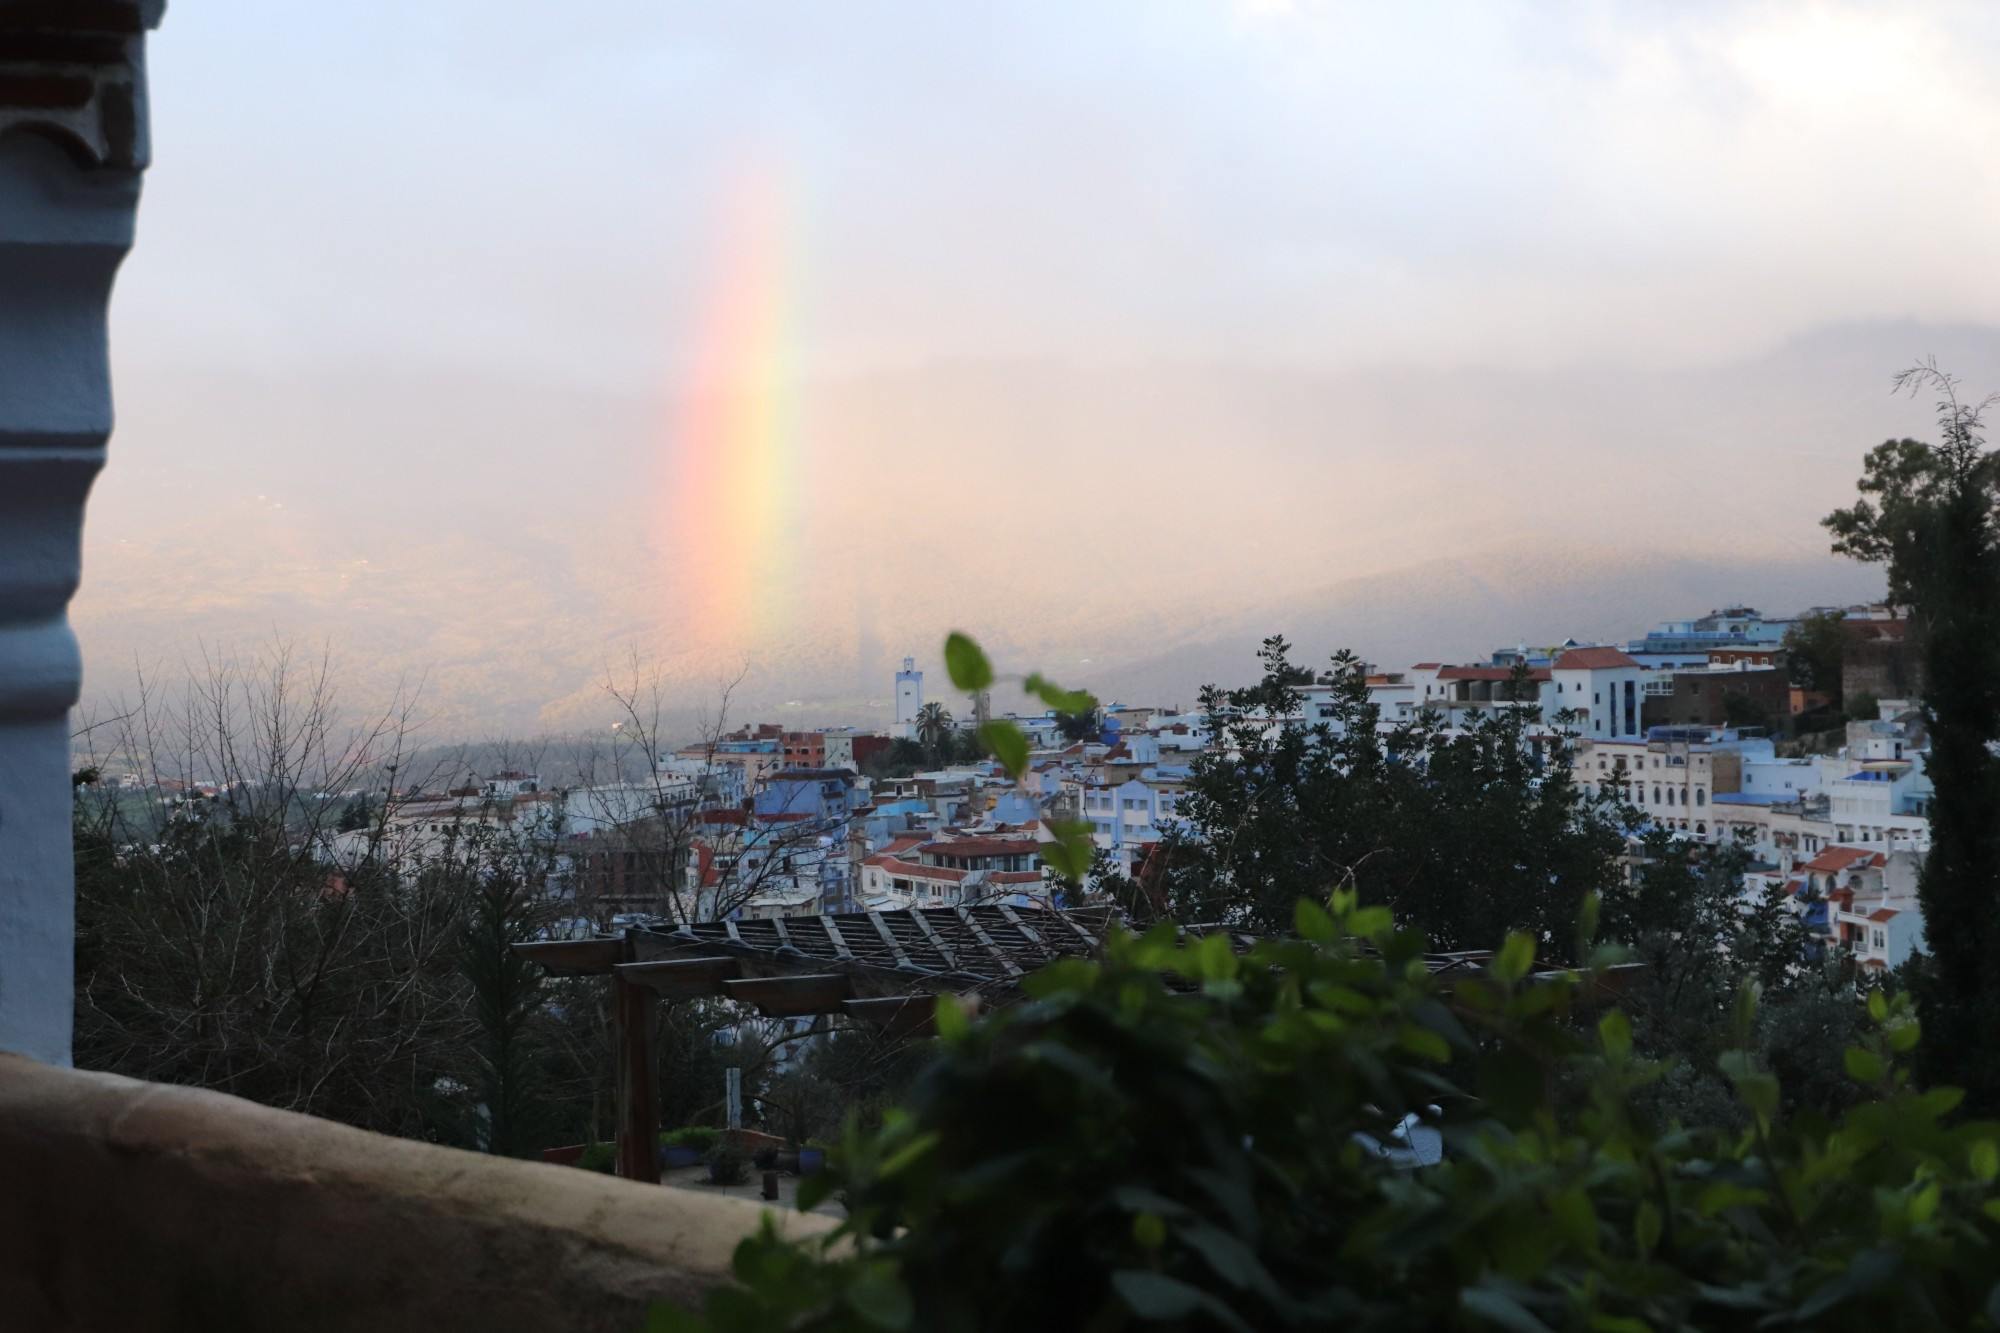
[[909, 700], [1602, 686]]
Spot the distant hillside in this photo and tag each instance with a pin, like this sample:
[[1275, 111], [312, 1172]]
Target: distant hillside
[[1461, 609]]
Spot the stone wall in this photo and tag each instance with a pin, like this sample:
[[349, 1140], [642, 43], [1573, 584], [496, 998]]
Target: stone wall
[[130, 1207]]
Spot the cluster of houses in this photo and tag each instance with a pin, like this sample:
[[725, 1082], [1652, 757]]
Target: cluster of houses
[[769, 822]]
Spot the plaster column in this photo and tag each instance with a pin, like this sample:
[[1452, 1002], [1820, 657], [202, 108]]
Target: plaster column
[[72, 145]]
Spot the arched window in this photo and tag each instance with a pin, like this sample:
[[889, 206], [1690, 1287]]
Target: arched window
[[1702, 829], [1656, 796], [1700, 797]]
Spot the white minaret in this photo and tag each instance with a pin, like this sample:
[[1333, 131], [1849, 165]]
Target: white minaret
[[909, 697]]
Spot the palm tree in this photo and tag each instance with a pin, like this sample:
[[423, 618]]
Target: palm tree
[[933, 725]]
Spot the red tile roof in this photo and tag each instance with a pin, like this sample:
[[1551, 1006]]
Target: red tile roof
[[1835, 859], [1488, 673], [1883, 914], [981, 846], [1594, 659]]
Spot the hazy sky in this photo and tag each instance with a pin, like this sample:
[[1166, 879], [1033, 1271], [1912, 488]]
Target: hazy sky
[[1097, 318]]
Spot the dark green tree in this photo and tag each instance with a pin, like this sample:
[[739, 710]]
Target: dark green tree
[[504, 908], [1462, 834], [1816, 651], [356, 816], [1931, 514], [1080, 726]]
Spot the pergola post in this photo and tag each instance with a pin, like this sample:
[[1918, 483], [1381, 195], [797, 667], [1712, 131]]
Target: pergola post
[[633, 1012]]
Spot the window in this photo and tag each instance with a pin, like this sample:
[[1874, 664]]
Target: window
[[1700, 797]]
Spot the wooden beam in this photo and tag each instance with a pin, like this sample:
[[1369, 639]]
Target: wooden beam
[[832, 929], [937, 940], [577, 958], [632, 1010], [994, 952], [897, 1015], [681, 978], [792, 997], [889, 938]]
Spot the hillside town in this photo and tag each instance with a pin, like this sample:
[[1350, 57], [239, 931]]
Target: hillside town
[[1699, 726]]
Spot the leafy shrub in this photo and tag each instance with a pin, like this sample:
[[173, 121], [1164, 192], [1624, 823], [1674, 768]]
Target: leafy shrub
[[728, 1164], [1181, 1137], [702, 1137], [599, 1157]]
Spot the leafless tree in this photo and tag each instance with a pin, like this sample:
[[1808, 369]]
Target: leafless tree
[[219, 943], [656, 822]]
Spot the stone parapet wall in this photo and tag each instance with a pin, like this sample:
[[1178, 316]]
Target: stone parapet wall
[[133, 1207]]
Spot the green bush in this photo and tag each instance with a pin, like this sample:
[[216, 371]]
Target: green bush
[[599, 1157], [1180, 1137], [702, 1137], [728, 1163]]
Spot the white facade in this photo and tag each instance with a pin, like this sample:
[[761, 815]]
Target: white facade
[[909, 699], [1603, 686]]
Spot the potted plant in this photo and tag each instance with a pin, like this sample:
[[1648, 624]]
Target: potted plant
[[682, 1148], [728, 1164]]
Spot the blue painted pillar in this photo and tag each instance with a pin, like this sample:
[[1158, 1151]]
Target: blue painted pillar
[[73, 143]]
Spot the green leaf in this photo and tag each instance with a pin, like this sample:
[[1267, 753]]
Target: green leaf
[[1370, 922], [1516, 956], [1614, 1033], [1077, 703], [1646, 1228], [1984, 1159], [1903, 1037], [1312, 922], [1878, 1005], [1070, 854], [952, 1021], [1723, 1195], [1863, 1066], [966, 664], [1165, 1300], [664, 1318], [1587, 918], [1004, 741], [1424, 1042], [1497, 1307], [1747, 996], [1758, 1089], [1865, 1271], [879, 1297], [907, 1154], [1149, 1231]]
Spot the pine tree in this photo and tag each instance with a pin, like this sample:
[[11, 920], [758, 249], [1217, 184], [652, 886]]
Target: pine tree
[[1935, 522]]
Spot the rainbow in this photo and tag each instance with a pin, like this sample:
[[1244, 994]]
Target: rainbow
[[734, 457]]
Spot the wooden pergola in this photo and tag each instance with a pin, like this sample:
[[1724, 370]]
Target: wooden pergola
[[882, 968]]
